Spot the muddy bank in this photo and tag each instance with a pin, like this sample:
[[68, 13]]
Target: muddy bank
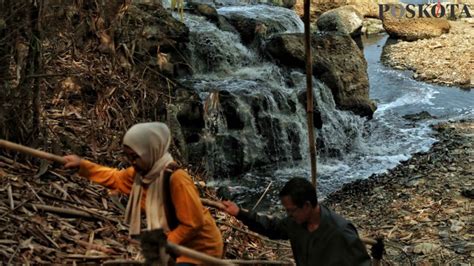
[[424, 206], [442, 60]]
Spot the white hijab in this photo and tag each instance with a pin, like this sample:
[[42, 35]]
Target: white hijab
[[151, 142]]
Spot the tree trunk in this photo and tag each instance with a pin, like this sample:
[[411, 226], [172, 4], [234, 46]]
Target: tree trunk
[[20, 103]]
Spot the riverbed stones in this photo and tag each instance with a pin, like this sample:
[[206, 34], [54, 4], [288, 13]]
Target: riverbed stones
[[431, 221], [423, 115], [445, 60]]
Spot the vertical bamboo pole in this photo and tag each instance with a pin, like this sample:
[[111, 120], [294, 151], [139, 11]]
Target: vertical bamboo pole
[[309, 89]]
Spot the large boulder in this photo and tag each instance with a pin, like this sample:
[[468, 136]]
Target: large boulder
[[372, 26], [253, 26], [345, 19], [337, 61], [204, 10], [415, 28], [288, 3], [368, 8]]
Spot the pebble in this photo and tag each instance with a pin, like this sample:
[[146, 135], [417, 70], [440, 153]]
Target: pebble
[[452, 169], [443, 234], [456, 226], [425, 248], [424, 199]]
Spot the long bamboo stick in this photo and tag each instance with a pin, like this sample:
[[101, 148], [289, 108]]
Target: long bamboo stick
[[30, 151], [212, 203], [208, 260], [49, 156], [309, 90]]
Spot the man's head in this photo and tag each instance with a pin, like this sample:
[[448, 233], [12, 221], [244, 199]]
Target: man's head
[[299, 197]]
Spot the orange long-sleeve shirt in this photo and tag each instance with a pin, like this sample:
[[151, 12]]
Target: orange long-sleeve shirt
[[196, 230]]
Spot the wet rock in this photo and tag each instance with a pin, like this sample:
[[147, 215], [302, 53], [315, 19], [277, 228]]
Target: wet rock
[[254, 28], [337, 61], [229, 106], [317, 120], [468, 193], [204, 10], [345, 20], [245, 26], [423, 115], [224, 25], [186, 121], [231, 162], [288, 3], [189, 114], [294, 140]]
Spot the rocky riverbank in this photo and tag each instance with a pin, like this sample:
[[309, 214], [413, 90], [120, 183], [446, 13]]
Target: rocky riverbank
[[446, 59], [423, 207]]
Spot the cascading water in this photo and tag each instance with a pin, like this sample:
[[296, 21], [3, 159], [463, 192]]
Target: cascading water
[[214, 51], [254, 118], [277, 19]]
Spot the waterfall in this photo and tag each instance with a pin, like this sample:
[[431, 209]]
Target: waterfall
[[212, 50], [254, 114], [278, 19]]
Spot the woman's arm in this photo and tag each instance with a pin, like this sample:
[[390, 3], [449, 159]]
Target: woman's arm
[[121, 180]]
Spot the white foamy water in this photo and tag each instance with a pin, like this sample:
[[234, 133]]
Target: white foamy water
[[355, 148]]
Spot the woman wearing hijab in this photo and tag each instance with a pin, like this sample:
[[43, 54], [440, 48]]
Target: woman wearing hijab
[[155, 184]]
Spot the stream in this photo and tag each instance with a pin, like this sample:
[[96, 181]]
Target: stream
[[354, 147]]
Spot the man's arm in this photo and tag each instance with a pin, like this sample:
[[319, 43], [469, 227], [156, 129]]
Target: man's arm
[[266, 225]]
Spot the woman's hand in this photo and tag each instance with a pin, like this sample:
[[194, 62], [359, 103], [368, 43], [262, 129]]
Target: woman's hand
[[72, 161], [231, 208]]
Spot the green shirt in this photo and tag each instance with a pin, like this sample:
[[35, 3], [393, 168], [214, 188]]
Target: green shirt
[[335, 242]]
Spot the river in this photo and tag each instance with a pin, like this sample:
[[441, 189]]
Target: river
[[366, 147], [388, 138]]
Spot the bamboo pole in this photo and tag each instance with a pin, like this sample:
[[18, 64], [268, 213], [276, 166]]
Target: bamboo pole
[[52, 157], [309, 90], [30, 151], [263, 195], [72, 212], [237, 262], [212, 203], [208, 260]]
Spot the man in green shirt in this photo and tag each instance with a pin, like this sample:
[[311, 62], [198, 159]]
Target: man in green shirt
[[318, 236]]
